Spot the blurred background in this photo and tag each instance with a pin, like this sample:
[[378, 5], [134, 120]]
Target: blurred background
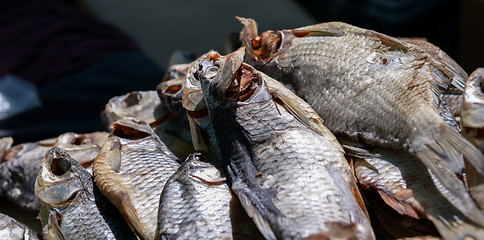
[[124, 45], [160, 27]]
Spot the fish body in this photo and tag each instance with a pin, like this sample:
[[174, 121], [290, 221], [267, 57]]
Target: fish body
[[131, 170], [14, 230], [369, 88], [403, 183], [20, 164], [196, 203], [294, 182], [72, 207]]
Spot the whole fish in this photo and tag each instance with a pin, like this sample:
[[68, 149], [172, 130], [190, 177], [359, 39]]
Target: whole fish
[[147, 106], [20, 164], [72, 207], [404, 184], [369, 88], [131, 170], [15, 230], [292, 180], [196, 203]]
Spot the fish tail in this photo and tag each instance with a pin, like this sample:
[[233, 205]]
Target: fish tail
[[459, 229], [447, 150]]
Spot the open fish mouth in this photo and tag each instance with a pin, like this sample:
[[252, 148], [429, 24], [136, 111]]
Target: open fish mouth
[[57, 184], [232, 79]]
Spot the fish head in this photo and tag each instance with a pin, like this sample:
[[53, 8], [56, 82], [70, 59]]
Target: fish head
[[170, 92], [192, 96], [144, 105], [60, 179], [227, 80], [176, 71], [81, 147], [203, 168], [472, 113]]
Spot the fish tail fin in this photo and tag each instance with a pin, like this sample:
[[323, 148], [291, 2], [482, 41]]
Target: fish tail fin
[[459, 229], [447, 150]]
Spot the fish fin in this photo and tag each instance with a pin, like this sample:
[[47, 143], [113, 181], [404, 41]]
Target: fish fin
[[323, 31], [393, 43], [399, 206], [301, 110], [475, 183], [261, 223], [130, 214], [53, 229], [453, 70], [450, 146], [197, 135], [459, 229], [356, 190]]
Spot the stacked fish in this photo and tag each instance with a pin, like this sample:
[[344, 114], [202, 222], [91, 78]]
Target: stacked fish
[[327, 131]]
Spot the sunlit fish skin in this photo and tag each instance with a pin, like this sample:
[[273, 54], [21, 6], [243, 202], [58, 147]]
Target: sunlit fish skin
[[196, 203], [294, 182], [20, 164], [403, 183], [131, 170], [368, 87], [15, 230], [72, 207]]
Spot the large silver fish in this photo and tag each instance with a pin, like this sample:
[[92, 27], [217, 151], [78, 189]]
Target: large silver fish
[[292, 180], [196, 203], [131, 170], [72, 207], [368, 87], [404, 183], [20, 164], [14, 230]]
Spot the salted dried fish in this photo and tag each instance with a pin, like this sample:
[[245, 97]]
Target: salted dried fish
[[131, 170], [196, 203], [72, 207], [369, 88], [147, 106], [15, 230], [294, 182], [20, 165], [404, 184]]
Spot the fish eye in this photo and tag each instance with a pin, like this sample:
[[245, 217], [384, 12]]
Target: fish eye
[[60, 166], [78, 140]]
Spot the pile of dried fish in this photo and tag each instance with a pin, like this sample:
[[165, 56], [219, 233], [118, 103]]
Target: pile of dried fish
[[327, 131]]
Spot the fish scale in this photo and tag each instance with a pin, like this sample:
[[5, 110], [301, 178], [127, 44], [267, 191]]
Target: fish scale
[[145, 163], [277, 164], [388, 95], [206, 209]]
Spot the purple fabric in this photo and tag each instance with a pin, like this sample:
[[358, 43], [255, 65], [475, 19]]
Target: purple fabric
[[44, 40]]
